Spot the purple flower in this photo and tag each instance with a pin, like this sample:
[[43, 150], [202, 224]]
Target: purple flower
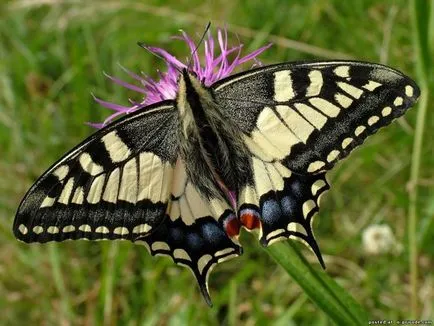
[[215, 65]]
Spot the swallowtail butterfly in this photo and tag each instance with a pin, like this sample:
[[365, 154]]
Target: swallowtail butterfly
[[183, 176]]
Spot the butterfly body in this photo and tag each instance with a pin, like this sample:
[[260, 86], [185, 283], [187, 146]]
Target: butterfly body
[[183, 176], [210, 142]]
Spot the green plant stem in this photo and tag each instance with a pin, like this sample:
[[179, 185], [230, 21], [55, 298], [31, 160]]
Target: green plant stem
[[422, 14], [412, 211], [329, 296]]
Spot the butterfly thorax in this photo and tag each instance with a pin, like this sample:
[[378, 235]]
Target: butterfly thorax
[[222, 158]]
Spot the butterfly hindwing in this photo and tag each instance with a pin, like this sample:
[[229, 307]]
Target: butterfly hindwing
[[116, 184], [310, 115], [284, 203], [193, 233]]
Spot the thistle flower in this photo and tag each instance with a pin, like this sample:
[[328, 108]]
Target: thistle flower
[[215, 65]]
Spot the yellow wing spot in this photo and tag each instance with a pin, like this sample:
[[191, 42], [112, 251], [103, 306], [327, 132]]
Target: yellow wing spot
[[95, 192], [315, 166], [68, 228], [159, 245], [203, 261], [371, 85], [283, 90], [61, 172], [316, 83], [298, 124], [23, 229], [325, 106], [181, 254], [142, 228], [248, 195], [38, 229], [66, 192], [102, 229], [282, 238], [284, 172], [398, 101], [317, 119], [221, 260], [128, 184], [350, 89], [116, 148], [373, 120], [53, 229], [48, 202], [386, 111], [112, 187], [342, 71], [78, 197], [343, 100], [359, 130], [409, 91], [88, 165], [274, 233], [346, 142], [317, 185], [332, 155], [223, 252], [121, 230], [85, 228], [307, 207], [175, 210], [296, 227], [262, 180], [273, 130], [179, 178]]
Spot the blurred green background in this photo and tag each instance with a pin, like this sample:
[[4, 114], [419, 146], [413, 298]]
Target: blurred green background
[[52, 56]]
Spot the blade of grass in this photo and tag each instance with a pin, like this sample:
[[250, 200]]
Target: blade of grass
[[422, 19], [59, 282], [322, 289]]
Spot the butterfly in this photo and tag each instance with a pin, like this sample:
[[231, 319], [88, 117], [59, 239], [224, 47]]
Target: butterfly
[[184, 176]]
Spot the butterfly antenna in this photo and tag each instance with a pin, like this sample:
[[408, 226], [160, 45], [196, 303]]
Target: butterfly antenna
[[198, 45], [143, 46]]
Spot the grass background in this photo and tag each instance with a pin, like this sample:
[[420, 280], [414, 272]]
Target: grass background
[[52, 55]]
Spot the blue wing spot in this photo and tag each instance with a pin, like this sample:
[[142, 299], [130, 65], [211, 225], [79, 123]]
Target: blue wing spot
[[212, 233], [288, 206], [271, 211], [195, 242], [176, 234]]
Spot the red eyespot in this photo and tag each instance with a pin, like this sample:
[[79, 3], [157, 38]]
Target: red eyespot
[[250, 221], [232, 226]]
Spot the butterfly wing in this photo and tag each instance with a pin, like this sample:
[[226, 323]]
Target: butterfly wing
[[115, 184], [283, 202], [310, 115], [194, 232], [127, 182], [298, 120]]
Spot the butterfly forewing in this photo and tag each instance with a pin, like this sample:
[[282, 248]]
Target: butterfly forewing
[[116, 184], [310, 115]]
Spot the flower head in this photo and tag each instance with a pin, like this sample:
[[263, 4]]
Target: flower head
[[218, 62], [379, 239]]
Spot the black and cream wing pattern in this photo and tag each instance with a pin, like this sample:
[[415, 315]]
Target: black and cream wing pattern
[[298, 119], [116, 184], [127, 181], [183, 176]]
